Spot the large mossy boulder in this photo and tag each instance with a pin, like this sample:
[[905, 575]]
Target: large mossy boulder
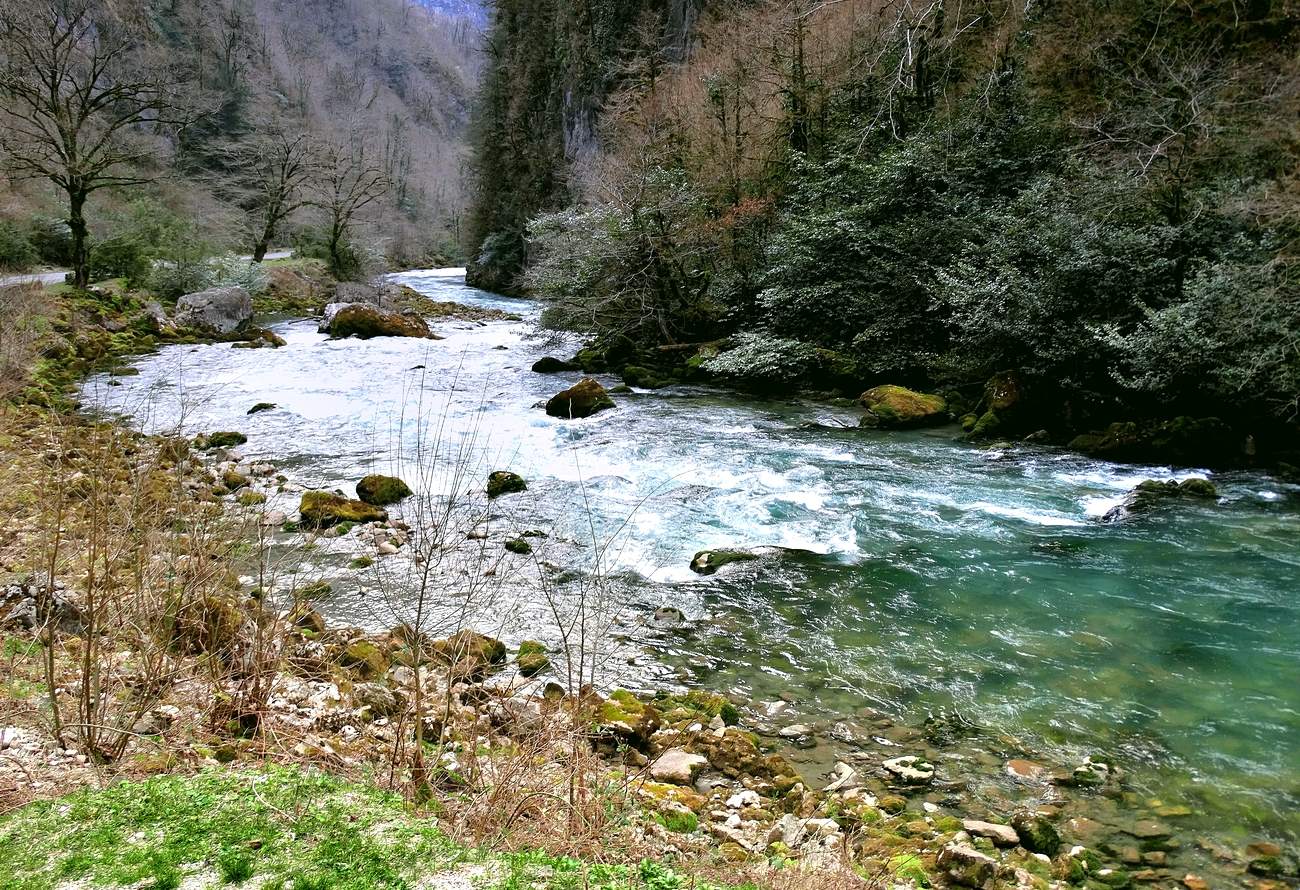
[[504, 482], [223, 439], [897, 407], [365, 658], [380, 491], [364, 321], [322, 509], [583, 399], [219, 310], [645, 378]]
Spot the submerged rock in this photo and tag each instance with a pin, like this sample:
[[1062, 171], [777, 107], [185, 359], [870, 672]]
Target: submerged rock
[[322, 509], [583, 399], [706, 562], [896, 407], [504, 482], [364, 321], [381, 491], [219, 310]]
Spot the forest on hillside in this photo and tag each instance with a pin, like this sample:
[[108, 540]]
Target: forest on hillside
[[1096, 198], [186, 130]]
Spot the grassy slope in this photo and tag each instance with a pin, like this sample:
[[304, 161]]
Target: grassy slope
[[274, 828]]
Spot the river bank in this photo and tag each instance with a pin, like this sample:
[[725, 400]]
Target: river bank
[[816, 647]]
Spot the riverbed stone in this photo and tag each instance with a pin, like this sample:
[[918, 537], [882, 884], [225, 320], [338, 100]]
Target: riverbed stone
[[1001, 835], [324, 509], [469, 652], [1037, 834], [504, 482], [380, 491], [364, 322], [897, 407], [910, 769], [218, 310], [677, 766], [967, 867], [549, 364], [583, 399], [532, 658]]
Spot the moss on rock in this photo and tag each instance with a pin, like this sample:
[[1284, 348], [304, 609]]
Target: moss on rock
[[583, 399], [504, 482], [897, 407], [322, 509], [380, 491]]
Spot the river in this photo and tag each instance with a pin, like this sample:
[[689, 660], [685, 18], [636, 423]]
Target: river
[[926, 576]]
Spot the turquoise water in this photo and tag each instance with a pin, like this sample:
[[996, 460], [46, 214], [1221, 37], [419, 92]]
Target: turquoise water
[[925, 575]]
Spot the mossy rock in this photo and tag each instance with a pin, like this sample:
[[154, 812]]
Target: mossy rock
[[504, 482], [317, 590], [583, 399], [365, 658], [234, 481], [519, 546], [380, 491], [226, 439], [1037, 835], [897, 407], [262, 406], [628, 717], [469, 652], [322, 509], [698, 705], [206, 624], [532, 659], [549, 364], [987, 426], [364, 322], [644, 378], [706, 562], [250, 498]]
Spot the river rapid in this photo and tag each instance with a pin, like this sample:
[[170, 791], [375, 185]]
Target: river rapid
[[925, 576]]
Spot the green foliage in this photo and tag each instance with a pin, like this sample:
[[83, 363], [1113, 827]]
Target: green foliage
[[120, 257], [762, 360], [16, 250], [52, 240]]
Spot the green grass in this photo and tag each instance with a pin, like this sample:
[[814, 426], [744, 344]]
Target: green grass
[[286, 828]]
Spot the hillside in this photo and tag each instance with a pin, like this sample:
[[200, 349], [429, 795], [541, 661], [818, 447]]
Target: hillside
[[386, 84], [1096, 198]]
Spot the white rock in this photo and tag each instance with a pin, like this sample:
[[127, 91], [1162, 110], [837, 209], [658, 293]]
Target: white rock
[[1002, 835], [677, 767], [742, 799]]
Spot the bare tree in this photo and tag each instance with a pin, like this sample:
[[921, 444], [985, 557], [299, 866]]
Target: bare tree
[[275, 168], [77, 97], [349, 182]]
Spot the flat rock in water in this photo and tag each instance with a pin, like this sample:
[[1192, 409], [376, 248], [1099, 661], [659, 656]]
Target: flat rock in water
[[1002, 835]]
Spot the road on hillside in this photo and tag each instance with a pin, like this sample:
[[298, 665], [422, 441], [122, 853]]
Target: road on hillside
[[57, 276]]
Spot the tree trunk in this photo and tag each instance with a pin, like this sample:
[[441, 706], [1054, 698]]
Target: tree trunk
[[80, 248], [260, 248]]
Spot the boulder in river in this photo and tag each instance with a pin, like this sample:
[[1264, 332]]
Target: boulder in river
[[1149, 494], [469, 653], [322, 509], [224, 439], [583, 399], [381, 491], [549, 364], [1037, 835], [532, 658], [364, 321], [219, 310], [706, 562], [967, 867], [504, 482], [896, 407]]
